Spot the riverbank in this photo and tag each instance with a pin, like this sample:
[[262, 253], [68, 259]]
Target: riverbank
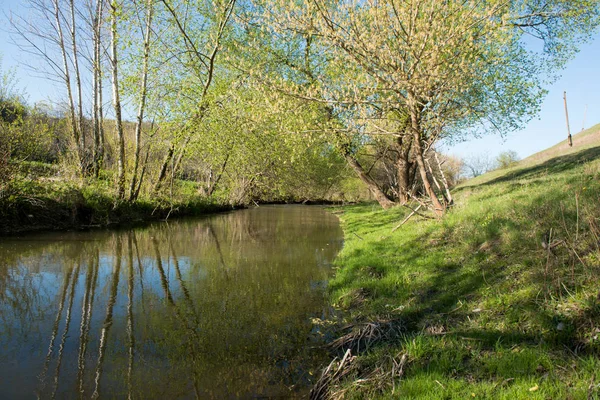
[[31, 205], [499, 299]]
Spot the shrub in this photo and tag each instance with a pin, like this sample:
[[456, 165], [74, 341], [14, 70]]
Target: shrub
[[507, 159]]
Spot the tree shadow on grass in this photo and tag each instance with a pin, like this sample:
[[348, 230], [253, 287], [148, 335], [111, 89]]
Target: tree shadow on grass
[[525, 335]]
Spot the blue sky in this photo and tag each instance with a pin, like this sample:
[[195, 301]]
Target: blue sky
[[581, 80]]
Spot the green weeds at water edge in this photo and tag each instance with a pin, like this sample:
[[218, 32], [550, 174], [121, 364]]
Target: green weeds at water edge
[[31, 204]]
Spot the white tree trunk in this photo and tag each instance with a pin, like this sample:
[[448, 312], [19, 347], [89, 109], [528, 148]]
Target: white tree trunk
[[67, 78], [143, 92], [117, 102]]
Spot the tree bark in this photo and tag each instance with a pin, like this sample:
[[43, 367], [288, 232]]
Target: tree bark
[[78, 86], [404, 167], [438, 209], [380, 196], [163, 170], [404, 181], [117, 102], [97, 89]]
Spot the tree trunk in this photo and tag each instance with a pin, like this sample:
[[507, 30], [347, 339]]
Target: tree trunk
[[142, 174], [78, 86], [404, 181], [182, 153], [102, 148], [96, 120], [97, 89], [435, 181], [404, 167], [213, 185], [380, 196], [209, 75], [67, 80], [437, 206], [179, 159], [444, 181], [163, 170], [143, 92], [117, 102]]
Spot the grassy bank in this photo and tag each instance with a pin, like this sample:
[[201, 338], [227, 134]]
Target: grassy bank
[[51, 204], [500, 299], [40, 197]]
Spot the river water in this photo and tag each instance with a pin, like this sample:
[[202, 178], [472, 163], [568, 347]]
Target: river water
[[217, 307]]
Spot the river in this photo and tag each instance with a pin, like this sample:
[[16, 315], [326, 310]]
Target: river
[[214, 307]]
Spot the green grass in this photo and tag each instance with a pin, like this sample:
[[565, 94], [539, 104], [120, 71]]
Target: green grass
[[483, 309], [35, 199]]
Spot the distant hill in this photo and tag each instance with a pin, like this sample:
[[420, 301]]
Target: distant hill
[[584, 140], [581, 141]]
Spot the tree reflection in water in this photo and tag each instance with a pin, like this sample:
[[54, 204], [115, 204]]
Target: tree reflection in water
[[218, 307]]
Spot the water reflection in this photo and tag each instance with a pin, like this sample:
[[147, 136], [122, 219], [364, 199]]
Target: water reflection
[[214, 308]]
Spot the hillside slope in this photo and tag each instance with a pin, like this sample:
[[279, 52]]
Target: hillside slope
[[581, 141], [500, 299], [584, 140]]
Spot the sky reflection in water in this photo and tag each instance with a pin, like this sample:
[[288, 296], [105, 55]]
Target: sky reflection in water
[[218, 307]]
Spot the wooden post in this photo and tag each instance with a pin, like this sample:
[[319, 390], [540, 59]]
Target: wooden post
[[570, 139]]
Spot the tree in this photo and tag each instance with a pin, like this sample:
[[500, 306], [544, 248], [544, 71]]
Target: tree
[[43, 35], [425, 69], [67, 36], [96, 17], [114, 62], [133, 190], [12, 102], [201, 28], [478, 164], [507, 159]]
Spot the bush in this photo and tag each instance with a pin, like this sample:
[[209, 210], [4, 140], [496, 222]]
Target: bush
[[12, 111], [507, 159], [5, 168]]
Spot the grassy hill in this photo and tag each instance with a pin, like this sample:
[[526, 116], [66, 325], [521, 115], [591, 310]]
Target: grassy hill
[[584, 140], [500, 299]]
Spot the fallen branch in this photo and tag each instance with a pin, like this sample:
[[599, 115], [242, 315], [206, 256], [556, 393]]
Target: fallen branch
[[419, 214], [407, 218], [357, 236]]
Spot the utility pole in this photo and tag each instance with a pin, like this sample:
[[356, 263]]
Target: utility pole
[[584, 115], [570, 139]]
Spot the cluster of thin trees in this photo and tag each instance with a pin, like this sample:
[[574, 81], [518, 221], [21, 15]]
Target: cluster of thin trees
[[87, 45], [397, 75]]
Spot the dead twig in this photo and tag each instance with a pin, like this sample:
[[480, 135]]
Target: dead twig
[[357, 236], [363, 336], [407, 218], [398, 369], [328, 378]]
